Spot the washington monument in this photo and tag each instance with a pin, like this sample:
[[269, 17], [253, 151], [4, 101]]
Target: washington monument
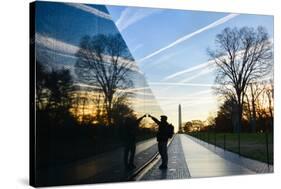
[[180, 127]]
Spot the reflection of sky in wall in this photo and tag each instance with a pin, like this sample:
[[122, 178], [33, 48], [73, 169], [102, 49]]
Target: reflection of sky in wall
[[59, 28], [170, 48]]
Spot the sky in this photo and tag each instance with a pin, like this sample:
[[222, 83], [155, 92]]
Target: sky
[[170, 47], [59, 30]]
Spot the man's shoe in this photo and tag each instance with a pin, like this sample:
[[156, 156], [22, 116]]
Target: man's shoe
[[132, 166], [162, 167]]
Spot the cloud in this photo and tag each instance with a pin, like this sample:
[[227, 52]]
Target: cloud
[[65, 49], [205, 71], [139, 90], [136, 89], [190, 35], [202, 92], [188, 70], [130, 16], [90, 10], [194, 96], [199, 103], [190, 98], [181, 84], [163, 59], [137, 47], [203, 68], [55, 45]]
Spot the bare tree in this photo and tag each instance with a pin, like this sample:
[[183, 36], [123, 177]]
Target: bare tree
[[99, 113], [225, 119], [105, 62], [241, 56], [84, 98], [269, 90], [41, 78], [121, 108], [255, 90], [228, 101], [270, 95]]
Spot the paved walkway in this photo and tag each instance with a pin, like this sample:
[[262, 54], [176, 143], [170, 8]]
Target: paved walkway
[[177, 167], [202, 162], [188, 158], [253, 165], [191, 158]]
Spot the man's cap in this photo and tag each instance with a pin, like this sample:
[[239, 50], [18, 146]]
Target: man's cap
[[163, 116]]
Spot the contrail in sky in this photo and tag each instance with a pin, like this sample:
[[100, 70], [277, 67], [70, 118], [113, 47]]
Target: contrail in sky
[[190, 35]]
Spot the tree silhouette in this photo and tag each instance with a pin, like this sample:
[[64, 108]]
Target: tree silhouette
[[187, 127], [269, 89], [105, 61], [241, 56], [52, 88], [41, 77], [224, 120], [121, 109], [255, 90], [59, 84]]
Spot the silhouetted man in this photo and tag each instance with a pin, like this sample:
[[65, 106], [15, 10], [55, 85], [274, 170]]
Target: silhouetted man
[[165, 131], [130, 128]]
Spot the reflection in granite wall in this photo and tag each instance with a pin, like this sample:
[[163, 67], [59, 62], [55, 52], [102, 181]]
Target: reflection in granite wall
[[91, 98]]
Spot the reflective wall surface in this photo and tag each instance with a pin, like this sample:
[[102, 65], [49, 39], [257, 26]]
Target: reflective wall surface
[[91, 98]]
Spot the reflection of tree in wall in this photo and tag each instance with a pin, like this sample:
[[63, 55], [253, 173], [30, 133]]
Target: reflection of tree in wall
[[68, 126], [105, 62], [53, 92], [242, 56], [53, 118]]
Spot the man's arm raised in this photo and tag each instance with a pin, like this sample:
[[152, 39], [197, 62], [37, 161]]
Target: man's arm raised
[[154, 119], [139, 120]]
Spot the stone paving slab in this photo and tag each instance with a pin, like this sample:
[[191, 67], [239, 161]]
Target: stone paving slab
[[177, 168], [253, 165], [192, 158], [203, 162]]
